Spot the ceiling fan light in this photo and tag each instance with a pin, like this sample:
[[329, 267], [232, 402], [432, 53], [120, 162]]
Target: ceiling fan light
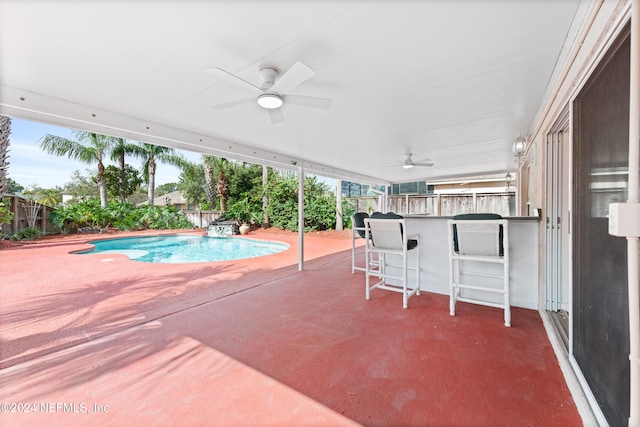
[[407, 165], [270, 101]]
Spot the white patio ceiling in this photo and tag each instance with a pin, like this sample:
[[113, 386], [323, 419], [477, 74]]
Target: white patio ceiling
[[452, 81]]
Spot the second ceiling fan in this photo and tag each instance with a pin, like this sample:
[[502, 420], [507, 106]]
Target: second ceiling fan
[[409, 163], [274, 89]]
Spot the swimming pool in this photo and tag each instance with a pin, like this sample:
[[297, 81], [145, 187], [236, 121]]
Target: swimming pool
[[180, 249]]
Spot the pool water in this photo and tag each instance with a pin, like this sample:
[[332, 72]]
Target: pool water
[[181, 249]]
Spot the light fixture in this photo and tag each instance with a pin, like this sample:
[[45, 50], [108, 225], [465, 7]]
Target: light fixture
[[519, 146], [270, 101], [508, 179], [407, 165]]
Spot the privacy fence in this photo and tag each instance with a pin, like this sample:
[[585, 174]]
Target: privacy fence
[[440, 204], [26, 214]]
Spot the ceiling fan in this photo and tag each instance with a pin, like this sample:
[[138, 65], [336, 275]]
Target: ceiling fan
[[274, 89], [409, 163]]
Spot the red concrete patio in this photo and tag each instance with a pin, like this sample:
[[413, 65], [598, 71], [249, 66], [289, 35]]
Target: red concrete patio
[[108, 341]]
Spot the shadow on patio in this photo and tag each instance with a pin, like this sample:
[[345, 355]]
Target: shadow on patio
[[273, 346]]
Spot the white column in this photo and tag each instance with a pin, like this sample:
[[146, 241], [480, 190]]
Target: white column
[[300, 217], [633, 243], [339, 219]]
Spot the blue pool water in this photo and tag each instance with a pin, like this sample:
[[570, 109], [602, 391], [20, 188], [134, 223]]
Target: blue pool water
[[185, 249]]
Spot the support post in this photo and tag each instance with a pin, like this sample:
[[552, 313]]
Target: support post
[[339, 219], [300, 217], [633, 243]]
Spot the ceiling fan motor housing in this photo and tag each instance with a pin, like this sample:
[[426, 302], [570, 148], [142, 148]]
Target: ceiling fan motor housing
[[268, 77]]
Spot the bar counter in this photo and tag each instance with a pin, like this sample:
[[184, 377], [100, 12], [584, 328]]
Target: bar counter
[[523, 252]]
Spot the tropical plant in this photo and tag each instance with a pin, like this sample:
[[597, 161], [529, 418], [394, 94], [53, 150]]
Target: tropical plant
[[215, 173], [6, 216], [86, 213], [49, 197], [319, 204], [87, 147], [208, 170], [162, 218], [27, 233], [118, 152], [151, 154], [244, 212], [283, 203], [222, 188], [348, 209], [31, 206], [123, 216], [245, 180], [5, 131], [119, 185], [192, 183]]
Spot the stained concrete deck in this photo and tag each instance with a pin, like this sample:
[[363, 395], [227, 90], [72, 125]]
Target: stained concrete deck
[[102, 340]]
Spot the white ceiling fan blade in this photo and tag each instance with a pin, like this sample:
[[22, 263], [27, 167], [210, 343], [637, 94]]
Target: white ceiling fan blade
[[276, 115], [424, 162], [308, 101], [232, 78], [233, 104], [409, 163], [294, 76]]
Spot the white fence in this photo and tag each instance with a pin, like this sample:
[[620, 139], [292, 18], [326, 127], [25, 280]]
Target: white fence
[[201, 219]]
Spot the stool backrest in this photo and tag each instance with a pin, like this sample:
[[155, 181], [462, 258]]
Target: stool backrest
[[386, 233], [482, 237], [358, 222]]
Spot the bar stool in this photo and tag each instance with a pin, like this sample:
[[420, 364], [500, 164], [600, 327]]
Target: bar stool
[[475, 239], [385, 237], [357, 229]]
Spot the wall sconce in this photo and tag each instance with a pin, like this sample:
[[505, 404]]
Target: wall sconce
[[508, 178], [519, 146]]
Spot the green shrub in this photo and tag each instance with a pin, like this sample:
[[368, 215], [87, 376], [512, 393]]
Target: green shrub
[[123, 216], [5, 214], [162, 218], [87, 213], [244, 211], [26, 234], [347, 211], [319, 204]]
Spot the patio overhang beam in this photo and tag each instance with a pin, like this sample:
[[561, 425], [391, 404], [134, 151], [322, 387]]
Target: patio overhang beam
[[32, 106], [455, 177]]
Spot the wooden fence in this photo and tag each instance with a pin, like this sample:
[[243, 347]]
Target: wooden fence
[[424, 204], [20, 220], [440, 204]]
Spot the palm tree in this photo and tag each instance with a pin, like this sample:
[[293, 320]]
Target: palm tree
[[208, 163], [5, 130], [50, 197], [153, 153], [120, 149], [216, 167], [222, 186], [88, 147]]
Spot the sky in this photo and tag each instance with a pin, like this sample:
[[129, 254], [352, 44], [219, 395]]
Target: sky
[[29, 165]]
